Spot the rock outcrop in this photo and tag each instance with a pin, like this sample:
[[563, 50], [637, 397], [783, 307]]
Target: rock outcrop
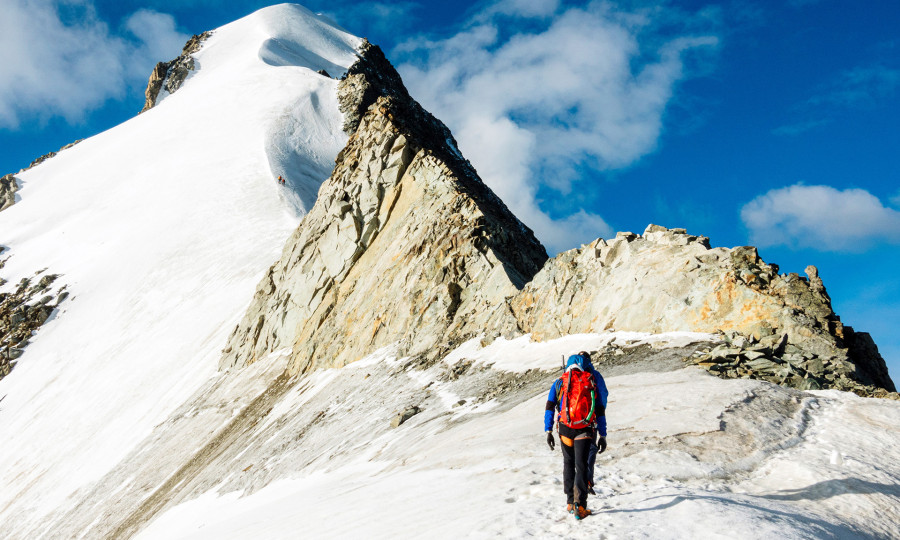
[[22, 312], [774, 360], [171, 75], [8, 188], [668, 280], [404, 243]]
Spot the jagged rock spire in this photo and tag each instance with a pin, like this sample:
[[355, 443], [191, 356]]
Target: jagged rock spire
[[404, 244]]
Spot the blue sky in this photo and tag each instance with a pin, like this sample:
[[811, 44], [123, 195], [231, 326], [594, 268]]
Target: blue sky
[[772, 123]]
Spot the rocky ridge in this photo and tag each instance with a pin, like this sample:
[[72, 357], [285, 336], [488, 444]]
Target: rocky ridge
[[667, 280], [171, 75], [49, 155], [404, 243]]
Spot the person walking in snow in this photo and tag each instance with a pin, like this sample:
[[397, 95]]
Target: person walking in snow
[[280, 180], [577, 401]]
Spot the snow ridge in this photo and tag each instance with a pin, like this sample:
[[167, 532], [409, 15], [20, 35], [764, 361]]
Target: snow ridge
[[159, 228]]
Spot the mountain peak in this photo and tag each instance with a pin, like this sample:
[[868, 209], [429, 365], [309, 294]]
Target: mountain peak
[[403, 217], [280, 36]]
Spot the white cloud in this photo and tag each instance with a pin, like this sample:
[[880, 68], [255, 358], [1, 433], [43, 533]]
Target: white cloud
[[820, 217], [586, 90], [860, 86], [895, 200], [800, 127], [158, 40], [386, 10], [60, 59], [523, 8]]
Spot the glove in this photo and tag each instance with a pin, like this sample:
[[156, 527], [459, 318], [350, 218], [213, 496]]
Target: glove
[[550, 441], [602, 444]]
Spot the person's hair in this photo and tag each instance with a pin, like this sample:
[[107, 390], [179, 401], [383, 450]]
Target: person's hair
[[586, 355]]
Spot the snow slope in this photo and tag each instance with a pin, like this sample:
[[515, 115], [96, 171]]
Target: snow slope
[[160, 228], [690, 456]]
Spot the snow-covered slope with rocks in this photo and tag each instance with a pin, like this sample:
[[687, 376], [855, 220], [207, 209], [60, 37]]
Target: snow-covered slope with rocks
[[160, 229], [690, 455]]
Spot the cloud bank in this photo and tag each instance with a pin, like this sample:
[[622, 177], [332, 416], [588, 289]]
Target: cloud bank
[[539, 96], [822, 218], [60, 59]]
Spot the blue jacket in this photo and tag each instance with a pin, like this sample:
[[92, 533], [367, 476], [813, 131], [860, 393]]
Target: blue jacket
[[553, 405]]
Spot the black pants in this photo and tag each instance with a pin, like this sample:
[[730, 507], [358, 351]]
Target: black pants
[[575, 471]]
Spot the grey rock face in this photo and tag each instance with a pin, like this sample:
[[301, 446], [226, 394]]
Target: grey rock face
[[868, 365], [404, 244], [8, 188], [367, 80], [171, 75]]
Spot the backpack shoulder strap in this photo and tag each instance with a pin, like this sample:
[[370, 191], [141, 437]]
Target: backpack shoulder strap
[[565, 406]]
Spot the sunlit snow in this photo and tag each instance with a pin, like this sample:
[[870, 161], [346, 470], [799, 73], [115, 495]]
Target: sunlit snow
[[670, 471], [160, 228]]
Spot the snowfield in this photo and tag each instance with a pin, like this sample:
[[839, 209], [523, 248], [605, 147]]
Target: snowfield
[[690, 456], [116, 424]]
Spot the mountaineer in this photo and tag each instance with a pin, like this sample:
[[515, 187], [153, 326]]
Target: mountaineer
[[578, 401]]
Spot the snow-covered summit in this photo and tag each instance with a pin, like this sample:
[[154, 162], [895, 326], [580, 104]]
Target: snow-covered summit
[[284, 35], [267, 66], [160, 229]]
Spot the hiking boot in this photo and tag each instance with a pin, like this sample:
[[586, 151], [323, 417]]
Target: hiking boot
[[569, 508], [581, 512]]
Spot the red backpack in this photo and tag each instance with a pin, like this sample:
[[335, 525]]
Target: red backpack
[[577, 399]]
